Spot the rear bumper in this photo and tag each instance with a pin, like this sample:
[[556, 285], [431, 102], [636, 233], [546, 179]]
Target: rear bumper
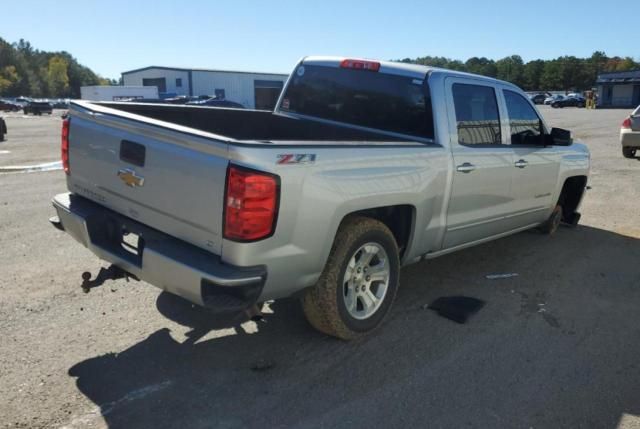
[[161, 260], [629, 138]]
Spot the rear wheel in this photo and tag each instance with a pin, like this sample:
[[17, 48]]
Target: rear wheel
[[629, 152], [359, 282], [550, 226]]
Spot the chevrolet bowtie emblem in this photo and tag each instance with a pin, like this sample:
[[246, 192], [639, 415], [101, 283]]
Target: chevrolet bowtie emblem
[[130, 178]]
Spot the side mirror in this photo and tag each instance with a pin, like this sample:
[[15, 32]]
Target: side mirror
[[558, 137]]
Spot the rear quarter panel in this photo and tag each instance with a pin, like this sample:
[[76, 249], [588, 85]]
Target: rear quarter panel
[[316, 197]]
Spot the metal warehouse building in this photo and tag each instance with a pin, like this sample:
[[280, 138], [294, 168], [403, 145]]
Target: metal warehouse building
[[252, 90], [619, 89]]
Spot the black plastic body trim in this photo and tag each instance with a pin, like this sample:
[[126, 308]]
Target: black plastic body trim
[[133, 153]]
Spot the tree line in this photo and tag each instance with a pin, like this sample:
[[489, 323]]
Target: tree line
[[25, 71], [566, 73]]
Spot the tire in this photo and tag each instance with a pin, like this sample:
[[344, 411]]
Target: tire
[[551, 225], [325, 304], [629, 152]]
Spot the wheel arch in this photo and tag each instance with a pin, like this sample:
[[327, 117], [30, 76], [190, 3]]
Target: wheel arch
[[571, 196], [399, 218]]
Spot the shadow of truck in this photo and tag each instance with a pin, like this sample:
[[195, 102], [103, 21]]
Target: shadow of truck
[[556, 346]]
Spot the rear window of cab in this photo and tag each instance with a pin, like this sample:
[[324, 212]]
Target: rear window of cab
[[364, 98]]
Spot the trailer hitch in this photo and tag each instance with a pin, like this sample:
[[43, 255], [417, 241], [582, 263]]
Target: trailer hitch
[[111, 273]]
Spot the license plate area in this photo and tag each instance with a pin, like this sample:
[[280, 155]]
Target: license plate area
[[118, 237]]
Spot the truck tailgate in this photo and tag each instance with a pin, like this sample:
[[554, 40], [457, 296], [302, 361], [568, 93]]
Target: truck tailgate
[[169, 180]]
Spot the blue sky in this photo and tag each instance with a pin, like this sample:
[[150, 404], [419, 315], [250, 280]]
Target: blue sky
[[114, 36]]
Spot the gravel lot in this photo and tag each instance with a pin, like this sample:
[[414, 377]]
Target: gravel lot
[[556, 346]]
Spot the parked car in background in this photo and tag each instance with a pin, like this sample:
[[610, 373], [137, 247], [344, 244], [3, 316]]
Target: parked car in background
[[213, 102], [3, 129], [630, 134], [538, 98], [363, 167], [180, 99], [569, 102], [200, 100], [37, 108], [185, 99], [553, 98], [22, 101], [60, 104], [8, 106]]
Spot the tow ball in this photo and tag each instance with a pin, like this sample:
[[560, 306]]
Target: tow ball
[[111, 273]]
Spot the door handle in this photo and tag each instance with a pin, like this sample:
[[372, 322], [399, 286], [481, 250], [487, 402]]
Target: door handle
[[467, 167], [521, 163]]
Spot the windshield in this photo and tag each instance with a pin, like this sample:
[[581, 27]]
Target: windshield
[[369, 99]]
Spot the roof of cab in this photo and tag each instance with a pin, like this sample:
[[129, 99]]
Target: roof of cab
[[404, 69]]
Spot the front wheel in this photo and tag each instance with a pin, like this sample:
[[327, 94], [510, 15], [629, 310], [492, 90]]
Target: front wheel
[[359, 282], [551, 225]]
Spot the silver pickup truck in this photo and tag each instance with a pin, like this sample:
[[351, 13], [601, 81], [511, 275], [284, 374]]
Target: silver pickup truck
[[363, 167]]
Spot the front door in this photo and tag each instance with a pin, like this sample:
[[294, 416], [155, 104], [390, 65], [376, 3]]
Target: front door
[[536, 167], [481, 198]]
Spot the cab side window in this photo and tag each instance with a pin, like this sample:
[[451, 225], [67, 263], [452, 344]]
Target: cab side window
[[477, 114], [524, 123]]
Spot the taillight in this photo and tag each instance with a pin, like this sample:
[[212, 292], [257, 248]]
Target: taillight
[[626, 123], [360, 65], [251, 204], [64, 147]]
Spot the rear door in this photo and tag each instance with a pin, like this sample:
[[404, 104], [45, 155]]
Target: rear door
[[536, 167], [481, 197]]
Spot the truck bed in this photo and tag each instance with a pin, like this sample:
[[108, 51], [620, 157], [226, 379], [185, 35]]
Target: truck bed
[[241, 124]]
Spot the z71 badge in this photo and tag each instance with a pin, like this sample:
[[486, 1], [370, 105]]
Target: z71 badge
[[296, 158]]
